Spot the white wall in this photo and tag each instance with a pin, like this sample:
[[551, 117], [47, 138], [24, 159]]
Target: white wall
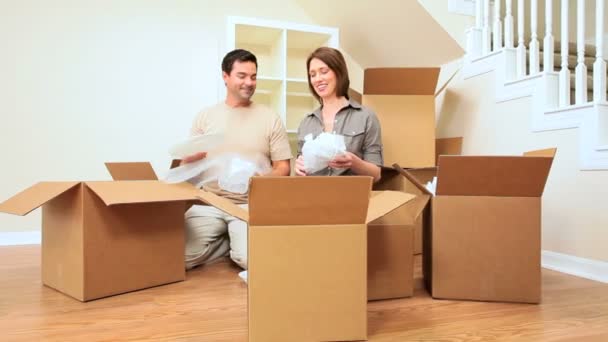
[[83, 82], [575, 218]]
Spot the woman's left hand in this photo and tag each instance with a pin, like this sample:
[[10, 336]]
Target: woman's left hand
[[344, 161]]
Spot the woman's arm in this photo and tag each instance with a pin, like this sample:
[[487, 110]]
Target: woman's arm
[[357, 165]]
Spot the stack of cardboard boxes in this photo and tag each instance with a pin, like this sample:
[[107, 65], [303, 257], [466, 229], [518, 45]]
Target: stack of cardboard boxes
[[480, 234], [404, 101]]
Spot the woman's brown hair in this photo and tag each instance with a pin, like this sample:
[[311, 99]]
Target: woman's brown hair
[[335, 61]]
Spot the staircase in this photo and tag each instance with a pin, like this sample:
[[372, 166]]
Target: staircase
[[567, 81]]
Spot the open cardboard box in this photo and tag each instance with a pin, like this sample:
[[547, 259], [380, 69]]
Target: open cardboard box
[[104, 238], [483, 239], [308, 255], [404, 102]]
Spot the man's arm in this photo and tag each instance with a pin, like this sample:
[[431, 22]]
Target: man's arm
[[280, 168]]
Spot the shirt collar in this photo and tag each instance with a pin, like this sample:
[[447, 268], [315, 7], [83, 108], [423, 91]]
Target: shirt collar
[[351, 103]]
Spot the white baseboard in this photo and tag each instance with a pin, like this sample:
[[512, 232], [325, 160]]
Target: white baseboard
[[20, 238], [580, 267]]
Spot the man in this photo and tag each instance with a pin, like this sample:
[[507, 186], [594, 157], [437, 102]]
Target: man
[[249, 129]]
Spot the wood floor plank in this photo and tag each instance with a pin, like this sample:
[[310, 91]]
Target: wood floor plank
[[211, 305]]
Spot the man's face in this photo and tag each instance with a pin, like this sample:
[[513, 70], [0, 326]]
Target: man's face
[[240, 84]]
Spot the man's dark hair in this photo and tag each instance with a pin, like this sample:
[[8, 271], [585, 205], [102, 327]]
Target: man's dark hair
[[237, 55]]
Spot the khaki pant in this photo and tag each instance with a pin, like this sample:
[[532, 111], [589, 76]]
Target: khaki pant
[[212, 234]]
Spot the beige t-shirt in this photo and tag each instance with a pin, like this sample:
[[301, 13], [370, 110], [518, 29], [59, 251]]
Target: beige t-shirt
[[251, 131]]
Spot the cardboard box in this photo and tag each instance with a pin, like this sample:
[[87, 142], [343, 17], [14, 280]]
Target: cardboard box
[[307, 256], [391, 241], [395, 238], [448, 146], [105, 238], [394, 180], [483, 241], [404, 101]]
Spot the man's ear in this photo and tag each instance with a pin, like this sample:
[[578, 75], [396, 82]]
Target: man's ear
[[225, 77]]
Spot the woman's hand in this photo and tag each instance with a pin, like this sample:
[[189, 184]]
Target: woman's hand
[[344, 161], [194, 157], [300, 171]]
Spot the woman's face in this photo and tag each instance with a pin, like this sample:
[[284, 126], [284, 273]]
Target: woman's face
[[322, 78]]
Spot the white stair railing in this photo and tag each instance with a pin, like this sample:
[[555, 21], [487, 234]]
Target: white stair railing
[[491, 34], [509, 24], [478, 13], [581, 68], [599, 66], [548, 48], [521, 47], [534, 47], [564, 74], [497, 34], [486, 32]]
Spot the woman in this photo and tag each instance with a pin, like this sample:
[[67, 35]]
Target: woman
[[328, 82]]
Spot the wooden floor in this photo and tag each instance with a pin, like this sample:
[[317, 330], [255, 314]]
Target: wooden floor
[[211, 305]]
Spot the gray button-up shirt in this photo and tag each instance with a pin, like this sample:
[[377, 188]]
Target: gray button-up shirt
[[360, 128]]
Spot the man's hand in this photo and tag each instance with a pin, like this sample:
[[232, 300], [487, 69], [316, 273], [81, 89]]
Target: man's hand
[[344, 161], [194, 157], [299, 168]]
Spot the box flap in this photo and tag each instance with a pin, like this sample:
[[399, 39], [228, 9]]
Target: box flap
[[223, 204], [400, 81], [416, 207], [383, 202], [492, 175], [125, 192], [447, 146], [548, 152], [308, 200], [34, 196], [131, 171], [412, 179]]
